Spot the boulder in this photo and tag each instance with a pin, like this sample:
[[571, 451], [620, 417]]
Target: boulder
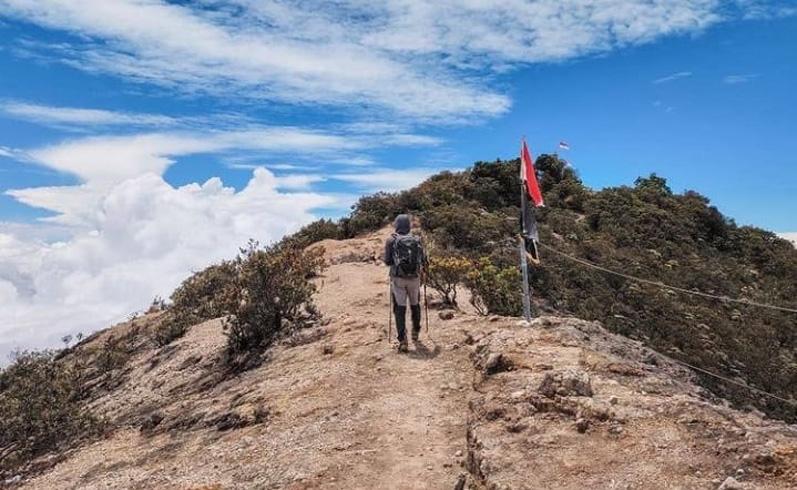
[[446, 315], [732, 483], [568, 382], [151, 421], [497, 363]]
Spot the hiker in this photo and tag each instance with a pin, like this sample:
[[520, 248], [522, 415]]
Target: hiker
[[407, 260]]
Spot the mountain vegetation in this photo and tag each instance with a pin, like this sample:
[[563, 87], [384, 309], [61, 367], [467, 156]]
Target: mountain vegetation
[[645, 230], [263, 292], [40, 407]]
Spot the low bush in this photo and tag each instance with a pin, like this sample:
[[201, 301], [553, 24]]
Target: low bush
[[261, 293], [40, 408], [210, 293], [275, 295], [468, 229], [113, 354], [371, 213], [495, 289], [445, 274], [323, 229]]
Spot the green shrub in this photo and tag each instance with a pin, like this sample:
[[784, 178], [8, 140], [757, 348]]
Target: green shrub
[[468, 229], [316, 231], [560, 184], [442, 189], [113, 354], [40, 408], [275, 294], [371, 213], [210, 293], [445, 274], [260, 290], [171, 329], [494, 185], [495, 289]]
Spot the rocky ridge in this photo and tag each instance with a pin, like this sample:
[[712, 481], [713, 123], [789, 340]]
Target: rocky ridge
[[481, 403]]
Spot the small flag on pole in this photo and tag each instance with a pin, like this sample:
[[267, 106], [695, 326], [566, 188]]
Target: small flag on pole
[[563, 145]]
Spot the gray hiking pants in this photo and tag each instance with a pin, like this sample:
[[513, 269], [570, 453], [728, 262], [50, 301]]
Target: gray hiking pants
[[405, 288]]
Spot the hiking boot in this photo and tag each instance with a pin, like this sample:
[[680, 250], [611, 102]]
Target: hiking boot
[[415, 335], [402, 347]]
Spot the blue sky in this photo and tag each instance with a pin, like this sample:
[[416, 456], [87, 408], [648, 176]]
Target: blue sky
[[142, 139]]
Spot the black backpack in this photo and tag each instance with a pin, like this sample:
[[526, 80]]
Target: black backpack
[[407, 255]]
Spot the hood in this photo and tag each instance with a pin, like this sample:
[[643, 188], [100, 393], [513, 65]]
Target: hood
[[402, 224]]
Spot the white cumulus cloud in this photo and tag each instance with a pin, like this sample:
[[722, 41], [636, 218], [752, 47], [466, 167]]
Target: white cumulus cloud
[[143, 238]]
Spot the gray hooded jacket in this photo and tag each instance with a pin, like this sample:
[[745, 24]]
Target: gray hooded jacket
[[402, 225]]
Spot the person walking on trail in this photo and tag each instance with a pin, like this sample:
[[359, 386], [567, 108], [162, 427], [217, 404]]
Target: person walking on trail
[[407, 260]]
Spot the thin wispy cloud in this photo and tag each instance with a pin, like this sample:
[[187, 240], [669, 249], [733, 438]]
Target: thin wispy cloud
[[662, 106], [671, 78], [417, 59], [244, 166], [248, 164], [300, 162], [85, 119], [737, 79], [110, 159], [79, 116], [298, 181], [353, 161], [767, 9], [386, 180]]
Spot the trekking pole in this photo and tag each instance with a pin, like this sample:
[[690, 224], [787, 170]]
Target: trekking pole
[[390, 308], [426, 307]]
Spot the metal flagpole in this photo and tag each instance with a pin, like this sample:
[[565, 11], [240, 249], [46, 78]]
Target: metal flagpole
[[524, 267]]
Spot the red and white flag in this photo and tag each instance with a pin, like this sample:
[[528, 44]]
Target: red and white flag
[[529, 176]]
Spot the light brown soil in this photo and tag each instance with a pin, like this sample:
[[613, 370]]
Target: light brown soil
[[337, 407]]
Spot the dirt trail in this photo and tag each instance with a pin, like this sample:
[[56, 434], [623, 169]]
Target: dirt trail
[[415, 404]]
